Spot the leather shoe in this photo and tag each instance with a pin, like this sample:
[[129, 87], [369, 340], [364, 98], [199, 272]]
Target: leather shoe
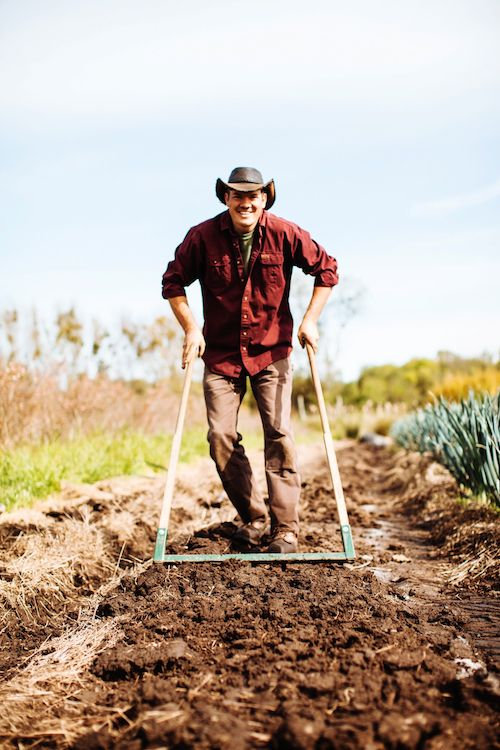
[[250, 534], [283, 541]]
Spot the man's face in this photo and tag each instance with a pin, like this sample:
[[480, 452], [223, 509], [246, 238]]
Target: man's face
[[245, 209]]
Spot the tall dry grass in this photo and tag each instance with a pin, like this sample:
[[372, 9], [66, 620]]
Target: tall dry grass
[[34, 408], [64, 377], [349, 421]]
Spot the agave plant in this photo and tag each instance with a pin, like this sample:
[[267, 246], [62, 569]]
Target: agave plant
[[463, 436]]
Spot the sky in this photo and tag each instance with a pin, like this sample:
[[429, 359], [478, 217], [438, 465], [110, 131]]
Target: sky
[[379, 123]]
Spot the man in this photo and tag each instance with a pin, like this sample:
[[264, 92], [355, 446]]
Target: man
[[243, 259]]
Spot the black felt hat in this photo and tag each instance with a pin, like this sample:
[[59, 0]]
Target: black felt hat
[[245, 180]]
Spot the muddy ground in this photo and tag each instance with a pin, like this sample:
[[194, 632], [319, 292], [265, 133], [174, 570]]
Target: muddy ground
[[399, 649]]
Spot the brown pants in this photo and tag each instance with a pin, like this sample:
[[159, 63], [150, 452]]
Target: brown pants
[[272, 388]]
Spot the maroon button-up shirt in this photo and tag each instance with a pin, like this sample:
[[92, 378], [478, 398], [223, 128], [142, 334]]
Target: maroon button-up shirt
[[247, 318]]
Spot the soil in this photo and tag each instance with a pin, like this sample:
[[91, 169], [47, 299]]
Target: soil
[[398, 649]]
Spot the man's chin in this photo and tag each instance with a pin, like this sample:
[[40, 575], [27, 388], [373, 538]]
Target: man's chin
[[246, 225]]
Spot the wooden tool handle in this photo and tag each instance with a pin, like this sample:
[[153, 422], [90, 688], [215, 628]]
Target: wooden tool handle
[[327, 437], [175, 449]]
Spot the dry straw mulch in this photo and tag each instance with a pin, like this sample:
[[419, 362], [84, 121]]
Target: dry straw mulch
[[465, 532]]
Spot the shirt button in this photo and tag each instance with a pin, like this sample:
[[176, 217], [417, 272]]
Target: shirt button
[[245, 299], [244, 348], [244, 333], [245, 315]]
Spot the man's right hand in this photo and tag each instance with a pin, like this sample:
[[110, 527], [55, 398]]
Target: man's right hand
[[194, 345]]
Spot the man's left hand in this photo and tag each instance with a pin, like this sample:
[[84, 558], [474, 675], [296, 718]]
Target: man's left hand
[[308, 332]]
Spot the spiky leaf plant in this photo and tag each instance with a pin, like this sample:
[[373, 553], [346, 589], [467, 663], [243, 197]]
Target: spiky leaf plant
[[464, 436]]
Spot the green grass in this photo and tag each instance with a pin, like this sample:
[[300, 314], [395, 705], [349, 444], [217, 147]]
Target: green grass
[[30, 472]]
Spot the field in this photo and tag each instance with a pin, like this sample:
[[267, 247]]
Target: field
[[104, 649]]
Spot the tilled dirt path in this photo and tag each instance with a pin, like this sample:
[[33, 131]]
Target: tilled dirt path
[[396, 650]]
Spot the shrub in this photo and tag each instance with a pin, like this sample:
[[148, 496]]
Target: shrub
[[463, 436], [456, 386]]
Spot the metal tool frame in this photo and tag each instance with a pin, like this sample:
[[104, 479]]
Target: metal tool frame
[[347, 555]]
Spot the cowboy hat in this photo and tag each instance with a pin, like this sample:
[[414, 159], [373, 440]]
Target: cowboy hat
[[245, 180]]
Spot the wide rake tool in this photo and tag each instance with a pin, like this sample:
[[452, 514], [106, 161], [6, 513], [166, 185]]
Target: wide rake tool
[[256, 557]]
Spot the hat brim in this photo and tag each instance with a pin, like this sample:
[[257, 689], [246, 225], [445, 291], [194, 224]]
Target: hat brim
[[222, 187]]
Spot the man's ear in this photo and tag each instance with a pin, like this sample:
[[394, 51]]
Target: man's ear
[[226, 197]]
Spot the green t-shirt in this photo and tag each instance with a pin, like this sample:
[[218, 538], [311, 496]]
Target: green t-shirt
[[246, 248]]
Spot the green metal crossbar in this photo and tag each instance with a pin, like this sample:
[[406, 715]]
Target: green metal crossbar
[[257, 557], [348, 554]]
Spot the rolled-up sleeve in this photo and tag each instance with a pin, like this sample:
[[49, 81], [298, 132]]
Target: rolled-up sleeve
[[184, 268], [313, 259]]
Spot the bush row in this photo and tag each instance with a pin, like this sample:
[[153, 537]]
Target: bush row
[[463, 436]]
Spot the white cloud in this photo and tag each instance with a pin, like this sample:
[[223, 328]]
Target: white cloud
[[458, 202], [106, 60]]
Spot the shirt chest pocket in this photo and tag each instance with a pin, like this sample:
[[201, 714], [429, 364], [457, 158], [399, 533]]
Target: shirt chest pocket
[[219, 272], [271, 266]]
